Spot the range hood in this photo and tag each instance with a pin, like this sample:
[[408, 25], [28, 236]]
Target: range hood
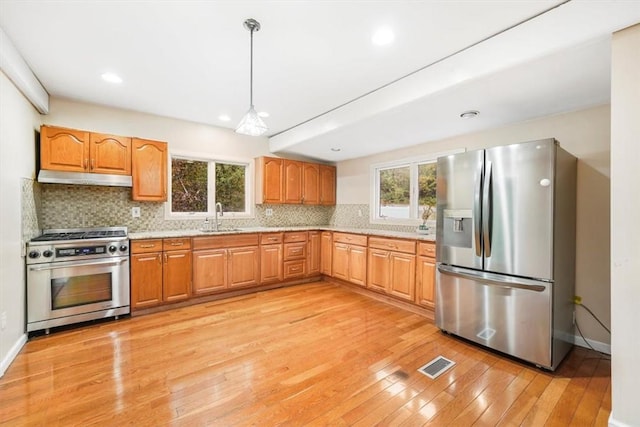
[[79, 178]]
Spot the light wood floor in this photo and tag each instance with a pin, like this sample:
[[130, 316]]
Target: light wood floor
[[314, 354]]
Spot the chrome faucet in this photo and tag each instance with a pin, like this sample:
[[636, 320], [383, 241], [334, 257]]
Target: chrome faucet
[[218, 209]]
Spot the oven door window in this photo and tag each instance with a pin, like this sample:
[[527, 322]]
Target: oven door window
[[75, 291]]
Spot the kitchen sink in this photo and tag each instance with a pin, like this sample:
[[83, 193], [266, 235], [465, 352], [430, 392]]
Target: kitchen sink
[[221, 230]]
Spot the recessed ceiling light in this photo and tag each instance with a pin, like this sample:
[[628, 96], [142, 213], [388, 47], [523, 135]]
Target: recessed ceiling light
[[469, 114], [383, 36], [111, 78], [224, 118], [263, 114], [336, 149]]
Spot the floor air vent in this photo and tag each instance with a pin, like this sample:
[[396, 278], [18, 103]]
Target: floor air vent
[[436, 367]]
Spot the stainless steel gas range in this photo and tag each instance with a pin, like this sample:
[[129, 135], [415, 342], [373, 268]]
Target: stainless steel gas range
[[75, 275]]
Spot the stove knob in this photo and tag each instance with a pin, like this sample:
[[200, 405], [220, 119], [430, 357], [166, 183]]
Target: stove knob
[[123, 248], [47, 254], [34, 254], [113, 248]]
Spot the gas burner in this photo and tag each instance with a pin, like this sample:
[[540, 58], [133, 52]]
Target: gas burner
[[81, 234]]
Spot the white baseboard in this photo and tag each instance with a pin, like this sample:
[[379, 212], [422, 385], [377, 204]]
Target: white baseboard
[[13, 352], [599, 346], [614, 423]]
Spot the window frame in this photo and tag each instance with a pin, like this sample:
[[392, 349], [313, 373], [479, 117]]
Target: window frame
[[211, 161], [413, 163]]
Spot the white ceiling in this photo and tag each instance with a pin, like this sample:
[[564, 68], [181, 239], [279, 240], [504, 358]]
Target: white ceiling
[[315, 69]]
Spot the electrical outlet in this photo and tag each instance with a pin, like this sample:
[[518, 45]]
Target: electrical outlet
[[3, 320], [268, 212], [135, 212]]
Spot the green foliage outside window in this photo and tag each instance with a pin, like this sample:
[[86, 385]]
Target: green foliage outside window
[[189, 180], [230, 183], [427, 191], [394, 186]]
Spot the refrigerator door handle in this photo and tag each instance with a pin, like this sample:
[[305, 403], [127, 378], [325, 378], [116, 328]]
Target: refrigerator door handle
[[477, 214], [486, 210], [493, 279]]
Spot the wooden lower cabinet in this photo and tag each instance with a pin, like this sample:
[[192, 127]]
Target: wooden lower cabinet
[[313, 253], [209, 271], [243, 266], [146, 280], [326, 246], [392, 273], [349, 261], [222, 263], [159, 276], [270, 263], [426, 275]]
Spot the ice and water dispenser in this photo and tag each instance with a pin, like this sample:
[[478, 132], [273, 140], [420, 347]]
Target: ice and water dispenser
[[457, 230]]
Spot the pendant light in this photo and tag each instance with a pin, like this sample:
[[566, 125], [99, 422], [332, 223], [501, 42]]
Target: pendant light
[[251, 124]]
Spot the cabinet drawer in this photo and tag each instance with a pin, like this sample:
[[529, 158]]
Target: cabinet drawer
[[354, 239], [294, 269], [295, 236], [270, 238], [295, 251], [145, 246], [176, 244], [406, 246], [225, 241], [427, 249]]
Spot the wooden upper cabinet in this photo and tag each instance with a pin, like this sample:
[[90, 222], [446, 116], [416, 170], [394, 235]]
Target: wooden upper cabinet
[[72, 150], [269, 180], [327, 186], [292, 181], [149, 170], [109, 154], [64, 149], [310, 183]]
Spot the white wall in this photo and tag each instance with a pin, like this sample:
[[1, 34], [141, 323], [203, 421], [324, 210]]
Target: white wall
[[585, 134], [180, 134], [18, 122], [625, 231]]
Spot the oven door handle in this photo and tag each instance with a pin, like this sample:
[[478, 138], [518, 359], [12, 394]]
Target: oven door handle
[[52, 266]]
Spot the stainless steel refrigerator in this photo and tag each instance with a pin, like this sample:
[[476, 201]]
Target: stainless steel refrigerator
[[505, 242]]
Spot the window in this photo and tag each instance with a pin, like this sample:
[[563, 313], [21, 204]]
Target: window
[[405, 191], [197, 184]]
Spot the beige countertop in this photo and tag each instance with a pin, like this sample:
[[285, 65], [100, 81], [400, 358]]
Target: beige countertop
[[160, 234]]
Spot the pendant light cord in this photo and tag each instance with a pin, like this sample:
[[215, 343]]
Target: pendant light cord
[[251, 71]]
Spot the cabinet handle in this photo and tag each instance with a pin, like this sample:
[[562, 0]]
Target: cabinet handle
[[86, 163], [272, 239], [148, 246], [165, 258], [177, 243], [93, 163], [160, 259]]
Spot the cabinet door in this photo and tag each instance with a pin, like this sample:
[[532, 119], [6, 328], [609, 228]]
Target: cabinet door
[[270, 180], [243, 267], [340, 258], [149, 170], [313, 254], [146, 280], [325, 253], [379, 270], [110, 154], [292, 181], [310, 183], [177, 275], [64, 149], [327, 185], [402, 275], [358, 265], [209, 271], [271, 263], [425, 282]]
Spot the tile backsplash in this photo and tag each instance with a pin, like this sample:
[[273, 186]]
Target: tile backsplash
[[47, 206]]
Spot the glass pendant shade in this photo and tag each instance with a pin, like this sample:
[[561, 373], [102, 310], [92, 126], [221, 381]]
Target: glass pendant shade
[[251, 124]]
